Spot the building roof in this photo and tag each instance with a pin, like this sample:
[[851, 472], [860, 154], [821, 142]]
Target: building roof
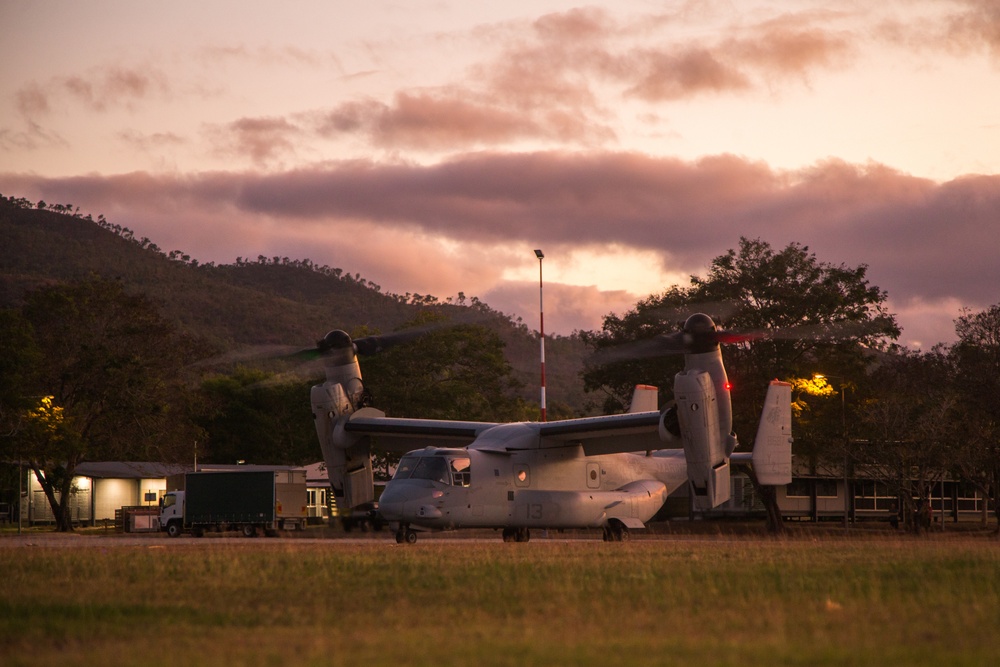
[[153, 470], [316, 474], [229, 467], [130, 469]]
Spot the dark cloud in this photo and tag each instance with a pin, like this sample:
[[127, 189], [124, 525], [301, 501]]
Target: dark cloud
[[922, 240]]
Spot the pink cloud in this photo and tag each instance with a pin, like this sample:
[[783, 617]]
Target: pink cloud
[[114, 86], [31, 100], [445, 119], [262, 140]]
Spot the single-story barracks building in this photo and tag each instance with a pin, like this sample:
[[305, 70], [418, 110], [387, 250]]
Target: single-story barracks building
[[100, 488]]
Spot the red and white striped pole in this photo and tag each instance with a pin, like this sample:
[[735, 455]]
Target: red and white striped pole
[[541, 325]]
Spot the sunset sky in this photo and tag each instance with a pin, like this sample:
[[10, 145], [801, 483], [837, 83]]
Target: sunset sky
[[431, 145]]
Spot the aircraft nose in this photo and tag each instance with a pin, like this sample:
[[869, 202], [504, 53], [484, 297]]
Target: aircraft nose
[[390, 504], [405, 500]]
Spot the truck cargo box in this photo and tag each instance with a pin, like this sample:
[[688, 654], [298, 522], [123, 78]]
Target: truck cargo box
[[230, 497]]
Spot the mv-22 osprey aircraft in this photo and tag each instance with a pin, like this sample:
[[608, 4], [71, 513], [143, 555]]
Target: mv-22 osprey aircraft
[[612, 472]]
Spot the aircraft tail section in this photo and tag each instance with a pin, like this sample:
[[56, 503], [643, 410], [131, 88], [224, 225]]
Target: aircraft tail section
[[772, 451]]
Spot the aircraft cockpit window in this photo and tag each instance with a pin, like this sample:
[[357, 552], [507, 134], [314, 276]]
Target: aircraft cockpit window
[[405, 467], [461, 474], [445, 469], [434, 468]]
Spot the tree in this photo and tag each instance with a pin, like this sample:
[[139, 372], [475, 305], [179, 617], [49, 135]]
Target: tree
[[907, 422], [807, 316], [257, 416], [977, 384], [107, 384]]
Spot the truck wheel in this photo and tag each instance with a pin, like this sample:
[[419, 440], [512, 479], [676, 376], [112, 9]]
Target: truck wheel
[[174, 529], [249, 531]]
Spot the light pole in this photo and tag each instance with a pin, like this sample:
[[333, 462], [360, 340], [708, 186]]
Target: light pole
[[541, 326], [843, 433]]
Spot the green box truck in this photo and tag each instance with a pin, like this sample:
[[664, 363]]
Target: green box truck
[[246, 501]]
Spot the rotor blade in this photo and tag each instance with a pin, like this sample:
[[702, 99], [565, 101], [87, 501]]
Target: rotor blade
[[657, 346], [682, 343], [827, 331], [370, 345]]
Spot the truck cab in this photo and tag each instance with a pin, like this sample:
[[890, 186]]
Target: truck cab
[[172, 513]]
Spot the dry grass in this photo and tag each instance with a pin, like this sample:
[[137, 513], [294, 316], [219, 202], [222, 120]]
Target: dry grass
[[705, 601]]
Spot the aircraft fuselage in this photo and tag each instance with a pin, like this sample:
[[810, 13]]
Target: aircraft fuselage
[[438, 488]]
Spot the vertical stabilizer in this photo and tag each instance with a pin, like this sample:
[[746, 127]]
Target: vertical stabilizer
[[772, 451], [644, 399]]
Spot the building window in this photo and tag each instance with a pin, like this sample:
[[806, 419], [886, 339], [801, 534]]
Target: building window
[[826, 488], [799, 488]]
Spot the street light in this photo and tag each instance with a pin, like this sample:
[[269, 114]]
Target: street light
[[843, 431], [541, 326]]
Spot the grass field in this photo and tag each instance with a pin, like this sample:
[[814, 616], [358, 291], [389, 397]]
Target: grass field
[[708, 601]]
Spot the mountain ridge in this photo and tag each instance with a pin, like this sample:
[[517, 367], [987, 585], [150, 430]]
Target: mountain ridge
[[270, 300]]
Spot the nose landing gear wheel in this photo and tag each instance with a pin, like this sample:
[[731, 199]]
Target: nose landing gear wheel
[[407, 535]]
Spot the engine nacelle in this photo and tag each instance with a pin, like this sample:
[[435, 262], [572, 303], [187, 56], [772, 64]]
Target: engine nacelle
[[347, 457], [705, 448]]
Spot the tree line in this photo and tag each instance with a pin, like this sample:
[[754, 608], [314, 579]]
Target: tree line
[[91, 371]]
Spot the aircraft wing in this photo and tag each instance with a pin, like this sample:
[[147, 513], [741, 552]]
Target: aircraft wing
[[403, 435], [609, 434]]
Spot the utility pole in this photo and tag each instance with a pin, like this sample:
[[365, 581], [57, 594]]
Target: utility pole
[[541, 326]]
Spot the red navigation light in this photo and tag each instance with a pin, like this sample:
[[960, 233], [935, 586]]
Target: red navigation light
[[729, 385]]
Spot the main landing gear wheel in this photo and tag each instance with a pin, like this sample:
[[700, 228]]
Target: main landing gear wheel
[[616, 532], [407, 535], [516, 534]]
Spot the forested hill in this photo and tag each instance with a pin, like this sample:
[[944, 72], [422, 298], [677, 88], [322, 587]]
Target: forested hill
[[254, 301]]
